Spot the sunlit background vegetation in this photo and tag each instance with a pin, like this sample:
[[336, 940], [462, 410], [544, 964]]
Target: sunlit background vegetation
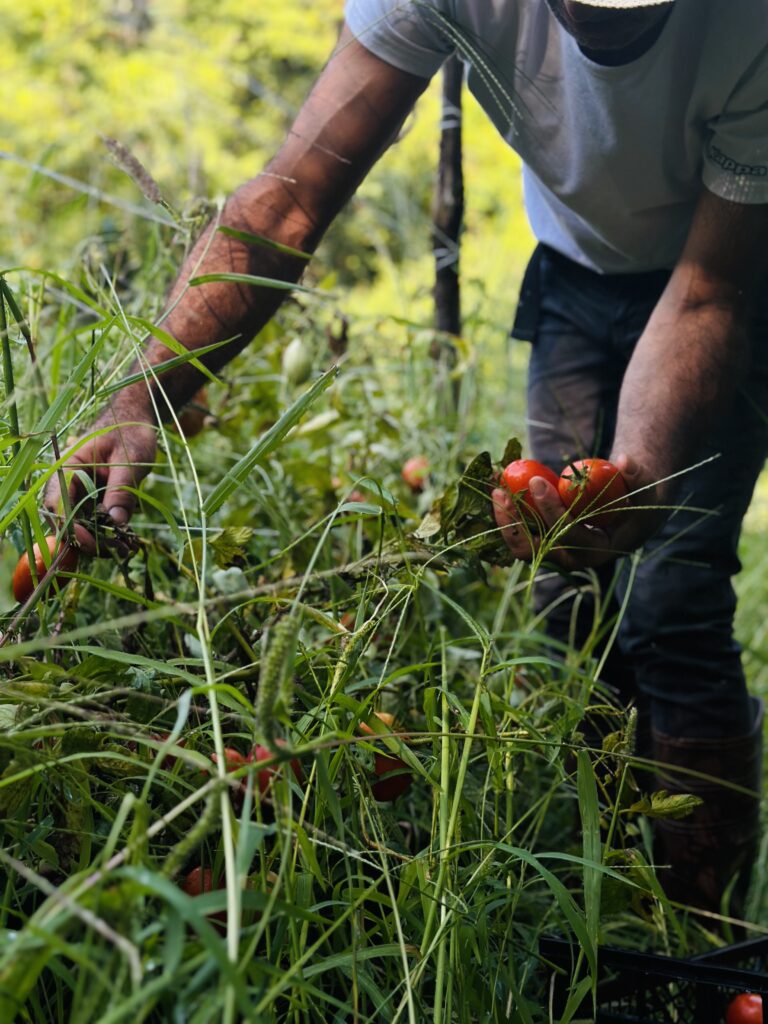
[[339, 918]]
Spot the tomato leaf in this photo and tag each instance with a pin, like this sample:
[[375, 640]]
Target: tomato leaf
[[462, 518], [662, 804], [512, 452]]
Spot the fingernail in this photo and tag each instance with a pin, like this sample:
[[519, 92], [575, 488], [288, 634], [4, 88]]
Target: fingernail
[[538, 487], [119, 515]]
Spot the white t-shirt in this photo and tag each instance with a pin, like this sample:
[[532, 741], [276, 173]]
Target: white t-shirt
[[614, 157]]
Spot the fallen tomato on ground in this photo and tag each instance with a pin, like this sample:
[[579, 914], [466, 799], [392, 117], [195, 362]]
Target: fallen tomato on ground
[[23, 583], [200, 880], [233, 759], [587, 486], [746, 1008], [388, 786], [516, 479], [265, 776], [415, 472]]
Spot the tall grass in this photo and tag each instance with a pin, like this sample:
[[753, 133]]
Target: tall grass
[[265, 603]]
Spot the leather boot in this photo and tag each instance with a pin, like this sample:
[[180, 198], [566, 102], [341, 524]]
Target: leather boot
[[719, 839]]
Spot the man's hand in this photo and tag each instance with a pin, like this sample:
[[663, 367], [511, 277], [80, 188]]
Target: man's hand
[[116, 461], [574, 545], [352, 114]]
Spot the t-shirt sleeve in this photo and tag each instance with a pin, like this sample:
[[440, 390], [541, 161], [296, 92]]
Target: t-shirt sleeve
[[404, 33], [736, 152]]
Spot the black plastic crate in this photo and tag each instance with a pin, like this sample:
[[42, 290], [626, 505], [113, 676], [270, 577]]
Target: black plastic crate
[[645, 988]]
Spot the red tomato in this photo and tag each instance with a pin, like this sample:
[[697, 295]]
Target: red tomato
[[265, 776], [415, 472], [233, 759], [517, 477], [588, 486], [23, 584], [391, 786], [745, 1009], [200, 880]]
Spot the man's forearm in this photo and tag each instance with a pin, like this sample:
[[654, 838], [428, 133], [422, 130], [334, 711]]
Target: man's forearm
[[682, 376], [348, 120], [201, 315]]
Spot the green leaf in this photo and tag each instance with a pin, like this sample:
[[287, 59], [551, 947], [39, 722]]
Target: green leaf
[[512, 452], [592, 846], [161, 368], [230, 544], [267, 243], [24, 462], [662, 804], [258, 282], [463, 516]]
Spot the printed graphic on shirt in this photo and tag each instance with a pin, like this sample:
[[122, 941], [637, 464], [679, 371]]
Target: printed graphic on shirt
[[729, 164]]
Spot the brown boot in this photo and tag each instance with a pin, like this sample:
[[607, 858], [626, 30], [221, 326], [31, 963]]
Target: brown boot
[[719, 839]]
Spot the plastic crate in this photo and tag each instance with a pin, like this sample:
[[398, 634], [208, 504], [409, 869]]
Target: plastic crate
[[645, 988]]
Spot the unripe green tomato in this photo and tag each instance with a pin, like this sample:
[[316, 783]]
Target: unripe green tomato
[[297, 362]]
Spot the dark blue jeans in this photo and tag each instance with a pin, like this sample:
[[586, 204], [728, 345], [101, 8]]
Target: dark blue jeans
[[675, 655]]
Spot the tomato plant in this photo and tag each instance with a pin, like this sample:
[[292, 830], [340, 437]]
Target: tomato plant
[[588, 486], [415, 472], [23, 584], [388, 786], [516, 478], [746, 1008]]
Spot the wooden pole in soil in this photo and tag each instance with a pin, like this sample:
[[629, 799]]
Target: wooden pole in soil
[[447, 217]]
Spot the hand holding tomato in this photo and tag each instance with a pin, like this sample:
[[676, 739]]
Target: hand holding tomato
[[590, 486], [516, 479], [577, 545]]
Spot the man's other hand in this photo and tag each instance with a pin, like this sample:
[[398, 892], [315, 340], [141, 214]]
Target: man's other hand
[[571, 544]]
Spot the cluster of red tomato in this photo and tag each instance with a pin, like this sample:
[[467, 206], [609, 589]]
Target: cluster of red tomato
[[393, 778], [587, 488]]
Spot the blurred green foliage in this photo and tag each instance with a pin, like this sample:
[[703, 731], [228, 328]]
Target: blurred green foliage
[[202, 95]]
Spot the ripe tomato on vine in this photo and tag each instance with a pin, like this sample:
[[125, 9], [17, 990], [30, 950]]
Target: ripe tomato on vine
[[593, 488], [516, 478]]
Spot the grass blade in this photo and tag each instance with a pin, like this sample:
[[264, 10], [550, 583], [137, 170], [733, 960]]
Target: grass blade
[[267, 443]]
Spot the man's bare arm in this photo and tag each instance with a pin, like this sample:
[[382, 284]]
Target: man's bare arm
[[682, 375], [350, 117], [693, 352]]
